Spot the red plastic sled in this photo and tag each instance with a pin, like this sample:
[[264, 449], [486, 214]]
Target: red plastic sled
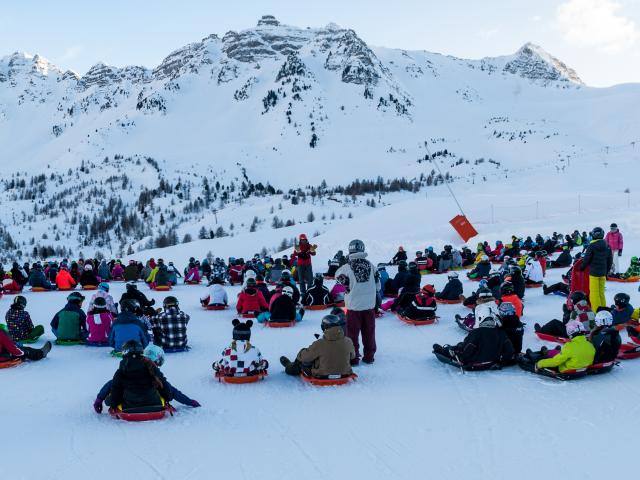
[[162, 288], [142, 417], [442, 301], [634, 339], [533, 285], [327, 382], [10, 363], [240, 380], [628, 351], [90, 287], [280, 324], [40, 289], [215, 307], [624, 280], [429, 321], [248, 315], [318, 307], [551, 338]]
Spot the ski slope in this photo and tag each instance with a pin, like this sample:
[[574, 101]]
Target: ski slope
[[406, 415]]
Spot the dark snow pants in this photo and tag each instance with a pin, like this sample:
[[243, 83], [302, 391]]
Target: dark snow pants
[[363, 321]]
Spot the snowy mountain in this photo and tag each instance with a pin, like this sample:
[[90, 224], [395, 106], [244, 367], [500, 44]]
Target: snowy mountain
[[124, 158]]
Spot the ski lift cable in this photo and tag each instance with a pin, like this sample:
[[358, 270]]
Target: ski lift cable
[[446, 182]]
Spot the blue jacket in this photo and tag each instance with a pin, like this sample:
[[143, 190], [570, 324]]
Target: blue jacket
[[621, 316], [384, 277], [177, 394], [37, 279], [127, 327]]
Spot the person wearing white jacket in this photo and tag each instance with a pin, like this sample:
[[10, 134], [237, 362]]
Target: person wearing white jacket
[[533, 271], [362, 283], [216, 295]]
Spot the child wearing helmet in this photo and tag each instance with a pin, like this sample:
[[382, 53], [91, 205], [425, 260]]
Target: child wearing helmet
[[511, 324], [452, 290], [482, 268], [250, 300], [103, 292], [486, 346], [318, 294], [88, 276], [19, 324], [423, 306], [155, 354], [507, 294], [485, 302], [282, 308], [605, 338], [621, 310], [170, 326], [240, 358], [533, 271], [99, 320], [575, 354], [70, 323], [576, 308], [138, 383], [128, 326], [329, 356], [216, 294]]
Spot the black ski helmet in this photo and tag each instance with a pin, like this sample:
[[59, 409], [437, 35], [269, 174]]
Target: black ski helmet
[[130, 305], [75, 297], [577, 296], [170, 301], [132, 348], [506, 288], [597, 233], [20, 302], [330, 321], [621, 299], [251, 283], [356, 246]]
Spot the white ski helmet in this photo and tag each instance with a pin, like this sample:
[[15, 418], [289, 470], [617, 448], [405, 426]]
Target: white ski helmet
[[250, 274], [484, 258], [288, 291], [486, 314], [452, 275], [604, 318]]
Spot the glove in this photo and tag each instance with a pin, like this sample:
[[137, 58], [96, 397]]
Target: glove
[[195, 404], [619, 253], [97, 405]]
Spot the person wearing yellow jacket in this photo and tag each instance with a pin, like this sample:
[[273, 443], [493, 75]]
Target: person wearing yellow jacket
[[577, 353]]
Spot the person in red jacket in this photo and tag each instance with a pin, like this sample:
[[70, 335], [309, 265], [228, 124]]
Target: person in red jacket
[[251, 300], [304, 271], [616, 242], [64, 280]]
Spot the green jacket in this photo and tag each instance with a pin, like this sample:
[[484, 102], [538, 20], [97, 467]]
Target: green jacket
[[578, 353], [69, 323]]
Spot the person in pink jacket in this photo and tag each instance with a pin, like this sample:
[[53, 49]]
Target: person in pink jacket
[[99, 322], [615, 241]]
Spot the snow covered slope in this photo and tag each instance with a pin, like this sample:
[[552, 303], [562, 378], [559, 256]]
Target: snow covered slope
[[270, 110]]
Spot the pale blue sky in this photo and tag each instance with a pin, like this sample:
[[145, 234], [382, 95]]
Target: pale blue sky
[[599, 38]]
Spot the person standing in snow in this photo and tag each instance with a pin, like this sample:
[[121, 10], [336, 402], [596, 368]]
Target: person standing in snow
[[361, 280], [599, 259], [615, 241], [304, 270]]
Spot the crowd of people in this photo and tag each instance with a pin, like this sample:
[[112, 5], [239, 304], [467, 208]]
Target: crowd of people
[[278, 291]]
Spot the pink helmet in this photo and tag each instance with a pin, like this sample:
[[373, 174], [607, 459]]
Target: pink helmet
[[575, 327]]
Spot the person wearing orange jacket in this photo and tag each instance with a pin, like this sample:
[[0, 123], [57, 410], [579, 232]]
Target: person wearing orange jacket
[[64, 280]]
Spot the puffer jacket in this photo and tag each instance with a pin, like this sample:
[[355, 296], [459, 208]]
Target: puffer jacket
[[606, 341], [103, 271], [451, 291], [127, 327], [135, 384], [70, 323], [598, 258], [577, 353], [64, 280], [131, 273], [329, 355], [282, 309], [117, 272], [19, 323], [217, 295], [363, 283], [485, 344], [240, 358], [37, 279], [614, 240], [251, 300], [88, 277], [533, 271], [99, 326]]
